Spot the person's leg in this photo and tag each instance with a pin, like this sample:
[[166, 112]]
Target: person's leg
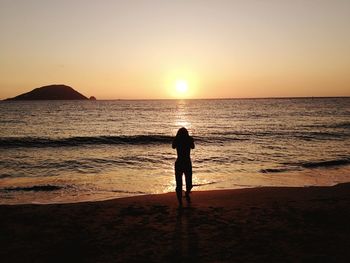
[[188, 178], [178, 178]]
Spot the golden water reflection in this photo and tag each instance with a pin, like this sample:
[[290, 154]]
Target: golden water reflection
[[182, 116]]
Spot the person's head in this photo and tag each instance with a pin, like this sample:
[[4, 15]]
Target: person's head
[[182, 133]]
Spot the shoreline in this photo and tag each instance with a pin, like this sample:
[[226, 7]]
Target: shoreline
[[252, 224], [79, 189]]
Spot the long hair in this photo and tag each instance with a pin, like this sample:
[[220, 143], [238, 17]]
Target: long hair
[[182, 134]]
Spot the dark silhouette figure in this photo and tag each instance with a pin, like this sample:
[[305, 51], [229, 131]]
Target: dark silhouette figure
[[183, 165]]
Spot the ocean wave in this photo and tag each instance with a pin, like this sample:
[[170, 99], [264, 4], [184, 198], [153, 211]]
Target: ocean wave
[[329, 163], [214, 138], [35, 188], [84, 165], [342, 125], [125, 192], [306, 165], [203, 184], [274, 170], [4, 176], [321, 136], [280, 134], [41, 142]]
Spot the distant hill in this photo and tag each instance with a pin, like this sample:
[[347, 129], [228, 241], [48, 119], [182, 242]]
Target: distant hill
[[51, 92]]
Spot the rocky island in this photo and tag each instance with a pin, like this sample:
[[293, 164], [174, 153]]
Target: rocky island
[[51, 92]]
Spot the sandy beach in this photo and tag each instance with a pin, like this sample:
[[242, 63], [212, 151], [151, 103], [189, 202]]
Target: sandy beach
[[270, 224]]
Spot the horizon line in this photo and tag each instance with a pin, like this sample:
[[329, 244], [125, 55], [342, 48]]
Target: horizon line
[[217, 98], [242, 98]]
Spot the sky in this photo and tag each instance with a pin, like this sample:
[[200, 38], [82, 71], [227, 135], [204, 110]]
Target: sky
[[146, 49]]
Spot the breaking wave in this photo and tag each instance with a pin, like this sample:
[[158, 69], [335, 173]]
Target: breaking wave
[[307, 165], [326, 163], [35, 188], [37, 142]]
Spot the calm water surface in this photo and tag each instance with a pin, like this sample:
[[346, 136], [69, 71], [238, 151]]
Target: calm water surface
[[66, 151]]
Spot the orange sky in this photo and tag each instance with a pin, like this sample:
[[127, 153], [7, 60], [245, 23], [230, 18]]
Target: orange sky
[[140, 49]]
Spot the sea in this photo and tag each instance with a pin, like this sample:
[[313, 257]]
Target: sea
[[75, 151]]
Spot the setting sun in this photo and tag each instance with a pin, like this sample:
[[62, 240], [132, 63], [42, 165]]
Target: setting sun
[[181, 86]]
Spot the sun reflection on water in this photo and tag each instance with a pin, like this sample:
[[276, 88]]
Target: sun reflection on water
[[181, 116]]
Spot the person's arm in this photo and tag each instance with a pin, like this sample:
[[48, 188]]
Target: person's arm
[[192, 143]]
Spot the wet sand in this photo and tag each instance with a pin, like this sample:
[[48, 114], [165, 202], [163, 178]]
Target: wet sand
[[270, 224]]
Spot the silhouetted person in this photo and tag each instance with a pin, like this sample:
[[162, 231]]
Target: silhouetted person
[[183, 144]]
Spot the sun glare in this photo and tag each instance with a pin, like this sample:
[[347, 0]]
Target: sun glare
[[181, 86]]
